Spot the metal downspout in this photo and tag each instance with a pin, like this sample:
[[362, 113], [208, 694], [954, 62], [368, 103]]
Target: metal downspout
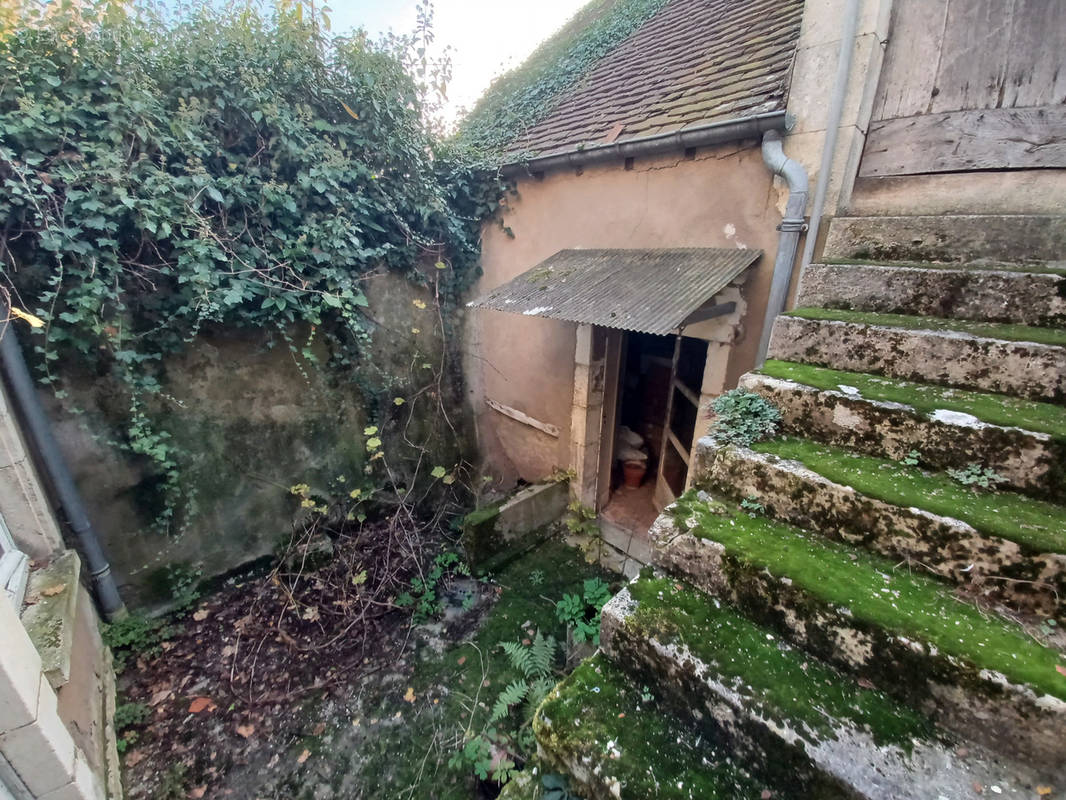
[[833, 116], [792, 225], [46, 454]]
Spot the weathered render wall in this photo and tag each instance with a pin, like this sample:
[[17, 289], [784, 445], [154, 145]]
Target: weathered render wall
[[720, 197], [255, 420]]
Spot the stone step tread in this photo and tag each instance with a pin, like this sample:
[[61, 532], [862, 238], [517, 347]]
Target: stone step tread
[[1037, 525], [859, 736], [1007, 332], [1049, 268], [993, 409], [974, 561], [49, 616], [982, 295], [616, 742], [876, 592]]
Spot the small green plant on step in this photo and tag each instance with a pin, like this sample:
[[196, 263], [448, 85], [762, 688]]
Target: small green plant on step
[[752, 505], [582, 522], [581, 613], [743, 418], [977, 476], [912, 459]]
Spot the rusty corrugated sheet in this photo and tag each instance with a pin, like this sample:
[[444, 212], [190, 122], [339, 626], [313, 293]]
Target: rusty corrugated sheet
[[651, 291]]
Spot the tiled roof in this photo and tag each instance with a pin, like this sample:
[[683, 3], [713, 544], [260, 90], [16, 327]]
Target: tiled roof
[[693, 62]]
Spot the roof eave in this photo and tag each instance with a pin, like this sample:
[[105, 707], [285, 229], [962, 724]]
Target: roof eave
[[730, 130]]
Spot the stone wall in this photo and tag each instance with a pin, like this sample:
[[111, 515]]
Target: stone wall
[[254, 419]]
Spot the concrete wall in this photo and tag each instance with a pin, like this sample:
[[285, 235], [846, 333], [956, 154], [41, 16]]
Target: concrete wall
[[721, 197]]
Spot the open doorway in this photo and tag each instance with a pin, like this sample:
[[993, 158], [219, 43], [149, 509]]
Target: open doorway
[[654, 422]]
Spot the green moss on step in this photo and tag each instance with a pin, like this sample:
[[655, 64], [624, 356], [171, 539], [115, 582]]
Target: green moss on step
[[996, 409], [904, 603], [786, 683], [599, 716], [1036, 525], [992, 330]]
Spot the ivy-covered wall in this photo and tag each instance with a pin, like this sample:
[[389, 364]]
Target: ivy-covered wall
[[244, 243]]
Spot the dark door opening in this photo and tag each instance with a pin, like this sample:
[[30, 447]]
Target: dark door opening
[[644, 444]]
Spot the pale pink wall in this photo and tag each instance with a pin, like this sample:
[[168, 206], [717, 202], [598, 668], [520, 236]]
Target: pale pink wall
[[724, 197]]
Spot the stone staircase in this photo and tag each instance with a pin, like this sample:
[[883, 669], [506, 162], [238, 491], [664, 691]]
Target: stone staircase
[[831, 612]]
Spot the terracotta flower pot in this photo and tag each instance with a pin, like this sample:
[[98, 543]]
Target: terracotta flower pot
[[633, 473]]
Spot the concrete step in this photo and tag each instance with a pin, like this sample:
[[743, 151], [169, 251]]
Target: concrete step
[[892, 418], [949, 238], [987, 295], [617, 743], [51, 612], [766, 696], [1002, 547], [983, 677], [1007, 359]]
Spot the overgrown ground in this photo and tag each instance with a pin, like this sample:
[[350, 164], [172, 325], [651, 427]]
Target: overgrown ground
[[247, 699]]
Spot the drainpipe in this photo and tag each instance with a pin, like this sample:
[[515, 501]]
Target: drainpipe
[[833, 117], [46, 454], [792, 225]]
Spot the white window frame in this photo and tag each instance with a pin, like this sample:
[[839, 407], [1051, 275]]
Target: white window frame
[[14, 568]]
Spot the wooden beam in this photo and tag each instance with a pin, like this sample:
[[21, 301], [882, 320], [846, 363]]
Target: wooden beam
[[687, 393], [678, 446], [709, 312], [525, 419], [963, 141]]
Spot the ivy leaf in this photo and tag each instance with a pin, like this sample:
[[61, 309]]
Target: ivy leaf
[[373, 444], [439, 472], [441, 265], [448, 480], [331, 300], [370, 430], [398, 401], [214, 194]]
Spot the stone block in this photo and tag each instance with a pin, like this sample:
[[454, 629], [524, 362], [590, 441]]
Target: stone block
[[20, 672], [50, 619], [42, 752], [85, 785], [944, 357], [532, 508]]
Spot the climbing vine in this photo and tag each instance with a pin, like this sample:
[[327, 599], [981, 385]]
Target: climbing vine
[[226, 166], [521, 98]]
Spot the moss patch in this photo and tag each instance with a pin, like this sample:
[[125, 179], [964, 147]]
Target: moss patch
[[991, 330], [996, 409], [412, 757], [599, 715], [907, 604], [784, 682], [1035, 524], [1035, 268]]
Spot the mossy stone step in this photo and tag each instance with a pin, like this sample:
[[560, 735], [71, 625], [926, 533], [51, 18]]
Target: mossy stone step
[[986, 295], [767, 697], [616, 743], [1014, 360], [1021, 565], [978, 675], [50, 614], [841, 414]]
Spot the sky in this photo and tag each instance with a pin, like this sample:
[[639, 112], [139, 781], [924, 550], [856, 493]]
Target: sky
[[487, 37]]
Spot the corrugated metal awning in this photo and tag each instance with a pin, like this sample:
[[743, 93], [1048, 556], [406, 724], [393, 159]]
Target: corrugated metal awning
[[651, 291]]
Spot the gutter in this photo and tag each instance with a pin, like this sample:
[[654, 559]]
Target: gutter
[[46, 454], [697, 136], [792, 225]]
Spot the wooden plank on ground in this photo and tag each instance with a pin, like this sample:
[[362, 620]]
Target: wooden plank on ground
[[1030, 138]]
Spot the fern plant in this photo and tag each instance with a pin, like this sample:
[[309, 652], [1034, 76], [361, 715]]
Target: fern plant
[[489, 752]]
